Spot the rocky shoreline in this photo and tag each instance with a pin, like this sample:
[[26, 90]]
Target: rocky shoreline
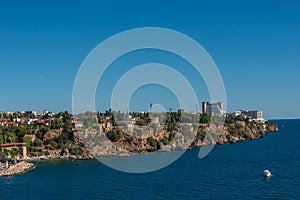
[[238, 132], [97, 145], [231, 132], [75, 157], [17, 169]]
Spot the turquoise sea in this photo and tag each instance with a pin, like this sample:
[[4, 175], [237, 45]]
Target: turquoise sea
[[231, 171]]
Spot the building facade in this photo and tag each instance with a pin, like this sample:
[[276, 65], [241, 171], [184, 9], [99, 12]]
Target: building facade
[[254, 114], [21, 146], [212, 108]]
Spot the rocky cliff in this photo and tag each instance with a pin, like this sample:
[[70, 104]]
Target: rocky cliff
[[122, 143], [235, 132]]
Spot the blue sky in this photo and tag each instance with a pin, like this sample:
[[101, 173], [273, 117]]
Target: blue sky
[[255, 45]]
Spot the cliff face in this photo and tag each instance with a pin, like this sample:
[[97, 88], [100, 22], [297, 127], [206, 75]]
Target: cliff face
[[236, 131], [124, 144]]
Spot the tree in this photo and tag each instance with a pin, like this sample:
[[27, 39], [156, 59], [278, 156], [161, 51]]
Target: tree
[[113, 136], [37, 142], [152, 141], [205, 118], [10, 137], [42, 131], [21, 131], [165, 141], [58, 123], [201, 135], [14, 152], [27, 140]]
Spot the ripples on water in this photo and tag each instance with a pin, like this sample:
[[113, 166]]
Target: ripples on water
[[230, 171]]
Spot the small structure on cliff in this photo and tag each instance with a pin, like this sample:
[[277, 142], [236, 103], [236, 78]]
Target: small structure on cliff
[[21, 146], [252, 115]]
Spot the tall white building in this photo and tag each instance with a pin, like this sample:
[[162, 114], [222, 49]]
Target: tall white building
[[212, 108]]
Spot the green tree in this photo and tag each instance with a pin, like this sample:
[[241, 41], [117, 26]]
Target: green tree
[[22, 130], [14, 152], [165, 141], [201, 135], [113, 136], [204, 118], [58, 123], [27, 140], [152, 141], [37, 142]]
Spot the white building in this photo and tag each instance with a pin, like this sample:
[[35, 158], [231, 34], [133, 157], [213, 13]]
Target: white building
[[252, 115], [212, 108]]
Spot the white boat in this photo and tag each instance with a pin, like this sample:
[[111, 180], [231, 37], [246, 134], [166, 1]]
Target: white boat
[[267, 173]]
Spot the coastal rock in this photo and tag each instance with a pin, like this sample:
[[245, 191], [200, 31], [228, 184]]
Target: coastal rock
[[52, 134], [237, 131], [123, 144], [230, 133], [64, 152], [17, 169]]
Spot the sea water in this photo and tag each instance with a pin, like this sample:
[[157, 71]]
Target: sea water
[[233, 171]]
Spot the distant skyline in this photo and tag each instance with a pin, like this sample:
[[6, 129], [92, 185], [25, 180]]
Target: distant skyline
[[255, 45]]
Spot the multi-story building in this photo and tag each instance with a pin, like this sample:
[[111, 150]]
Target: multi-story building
[[212, 108], [254, 114]]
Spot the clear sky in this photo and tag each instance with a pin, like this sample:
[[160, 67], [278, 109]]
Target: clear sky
[[255, 45]]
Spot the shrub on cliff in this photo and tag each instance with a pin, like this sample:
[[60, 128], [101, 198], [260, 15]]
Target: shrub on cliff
[[113, 136], [152, 141], [76, 150], [201, 135], [165, 141]]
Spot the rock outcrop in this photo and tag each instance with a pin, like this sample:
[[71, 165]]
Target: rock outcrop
[[123, 144], [237, 131], [17, 169]]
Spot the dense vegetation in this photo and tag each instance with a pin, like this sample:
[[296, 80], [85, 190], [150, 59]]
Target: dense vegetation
[[37, 136], [60, 132]]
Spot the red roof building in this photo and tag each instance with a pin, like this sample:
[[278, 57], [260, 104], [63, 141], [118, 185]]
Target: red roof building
[[14, 144], [11, 123]]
